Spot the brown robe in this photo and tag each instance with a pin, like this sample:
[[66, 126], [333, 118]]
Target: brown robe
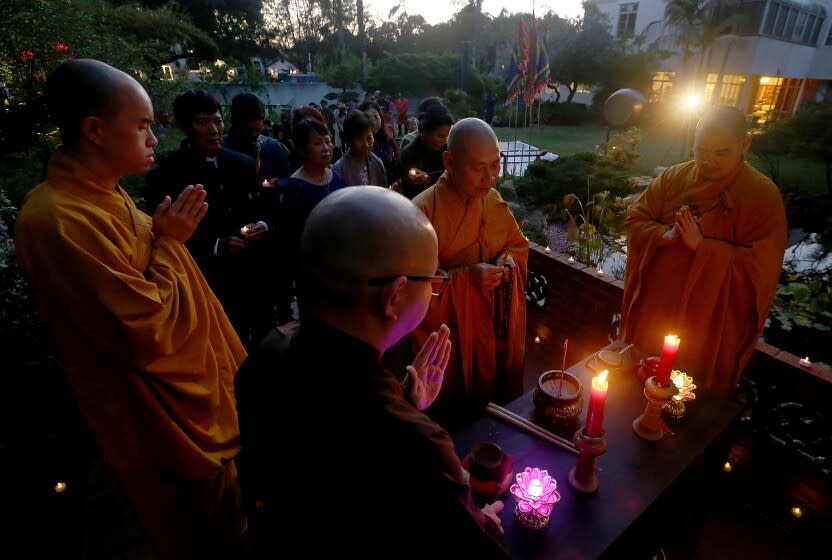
[[488, 342], [716, 298], [147, 348]]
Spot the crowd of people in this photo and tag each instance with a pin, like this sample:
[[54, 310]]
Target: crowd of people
[[378, 284]]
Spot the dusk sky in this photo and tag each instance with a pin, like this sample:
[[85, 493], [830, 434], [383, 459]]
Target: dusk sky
[[436, 11]]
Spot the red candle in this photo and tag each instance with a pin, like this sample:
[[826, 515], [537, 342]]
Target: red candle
[[671, 346], [595, 413]]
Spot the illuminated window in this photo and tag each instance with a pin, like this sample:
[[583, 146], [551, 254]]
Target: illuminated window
[[627, 14], [732, 85], [661, 87]]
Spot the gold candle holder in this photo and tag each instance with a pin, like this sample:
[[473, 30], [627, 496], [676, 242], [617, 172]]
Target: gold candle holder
[[648, 425], [582, 477]]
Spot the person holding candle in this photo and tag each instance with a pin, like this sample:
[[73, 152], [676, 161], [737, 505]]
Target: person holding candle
[[225, 256], [424, 153], [374, 476], [705, 247]]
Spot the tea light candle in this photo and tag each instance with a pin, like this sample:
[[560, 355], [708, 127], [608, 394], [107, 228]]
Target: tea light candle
[[60, 487], [727, 467], [669, 350], [797, 512], [547, 249], [570, 260], [537, 340], [600, 272], [244, 230], [266, 183], [805, 362], [594, 426], [413, 172]]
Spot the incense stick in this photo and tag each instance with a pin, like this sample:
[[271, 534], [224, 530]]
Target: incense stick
[[530, 427]]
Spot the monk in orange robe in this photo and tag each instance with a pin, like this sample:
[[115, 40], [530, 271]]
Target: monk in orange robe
[[485, 255], [706, 244], [148, 351]]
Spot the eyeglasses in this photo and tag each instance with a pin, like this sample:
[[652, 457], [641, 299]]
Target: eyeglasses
[[438, 282]]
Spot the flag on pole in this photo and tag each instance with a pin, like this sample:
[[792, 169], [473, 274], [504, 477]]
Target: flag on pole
[[523, 63], [512, 79], [542, 73], [531, 65]]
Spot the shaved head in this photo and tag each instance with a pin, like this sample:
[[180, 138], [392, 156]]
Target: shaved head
[[470, 132], [472, 161], [359, 233], [730, 119], [81, 88]]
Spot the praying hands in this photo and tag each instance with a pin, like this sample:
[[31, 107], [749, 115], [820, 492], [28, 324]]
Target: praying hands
[[688, 227], [425, 375]]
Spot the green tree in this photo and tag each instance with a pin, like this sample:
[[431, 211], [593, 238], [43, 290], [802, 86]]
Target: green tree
[[812, 133], [40, 34]]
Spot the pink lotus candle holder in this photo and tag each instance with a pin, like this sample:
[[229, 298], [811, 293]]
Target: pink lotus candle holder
[[535, 493]]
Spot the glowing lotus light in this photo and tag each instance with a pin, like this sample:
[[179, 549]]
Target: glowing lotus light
[[535, 492]]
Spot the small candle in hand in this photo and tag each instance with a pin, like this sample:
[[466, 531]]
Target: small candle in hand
[[594, 426], [244, 230], [669, 350], [413, 172]]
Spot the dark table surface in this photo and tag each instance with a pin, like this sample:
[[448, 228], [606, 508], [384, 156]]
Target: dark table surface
[[634, 473]]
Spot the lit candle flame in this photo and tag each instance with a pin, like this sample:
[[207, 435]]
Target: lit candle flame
[[797, 512], [727, 467], [60, 487], [547, 249], [413, 172], [535, 487], [537, 340], [600, 383]]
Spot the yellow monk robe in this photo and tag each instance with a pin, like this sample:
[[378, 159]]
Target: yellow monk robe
[[717, 298], [148, 350], [486, 363]]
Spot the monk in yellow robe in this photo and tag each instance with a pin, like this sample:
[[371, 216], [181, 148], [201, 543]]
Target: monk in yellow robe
[[485, 254], [706, 244], [149, 353]]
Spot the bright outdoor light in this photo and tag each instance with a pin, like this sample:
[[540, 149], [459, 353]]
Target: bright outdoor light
[[691, 101]]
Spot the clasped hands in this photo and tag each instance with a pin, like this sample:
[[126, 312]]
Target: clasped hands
[[686, 228], [487, 276]]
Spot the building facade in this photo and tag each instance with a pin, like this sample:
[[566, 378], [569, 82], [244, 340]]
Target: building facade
[[771, 55]]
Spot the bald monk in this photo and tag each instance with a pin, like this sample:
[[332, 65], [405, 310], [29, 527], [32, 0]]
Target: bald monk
[[375, 475], [485, 254], [148, 351], [706, 243]]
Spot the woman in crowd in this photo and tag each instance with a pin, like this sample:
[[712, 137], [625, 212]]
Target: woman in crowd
[[359, 165], [385, 146], [422, 163], [307, 186]]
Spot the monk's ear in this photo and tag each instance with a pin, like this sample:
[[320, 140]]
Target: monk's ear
[[746, 143], [447, 159], [92, 129], [390, 298]]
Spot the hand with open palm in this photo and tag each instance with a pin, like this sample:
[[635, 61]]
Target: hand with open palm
[[427, 372]]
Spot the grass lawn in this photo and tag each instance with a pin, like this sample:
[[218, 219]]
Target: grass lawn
[[659, 146]]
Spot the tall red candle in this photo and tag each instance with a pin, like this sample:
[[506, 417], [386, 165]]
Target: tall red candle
[[595, 412], [669, 350]]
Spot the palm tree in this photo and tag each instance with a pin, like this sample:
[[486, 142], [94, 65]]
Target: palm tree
[[698, 26]]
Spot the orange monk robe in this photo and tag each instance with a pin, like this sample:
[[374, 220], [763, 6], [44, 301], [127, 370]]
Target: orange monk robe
[[486, 363], [147, 348], [718, 297]]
